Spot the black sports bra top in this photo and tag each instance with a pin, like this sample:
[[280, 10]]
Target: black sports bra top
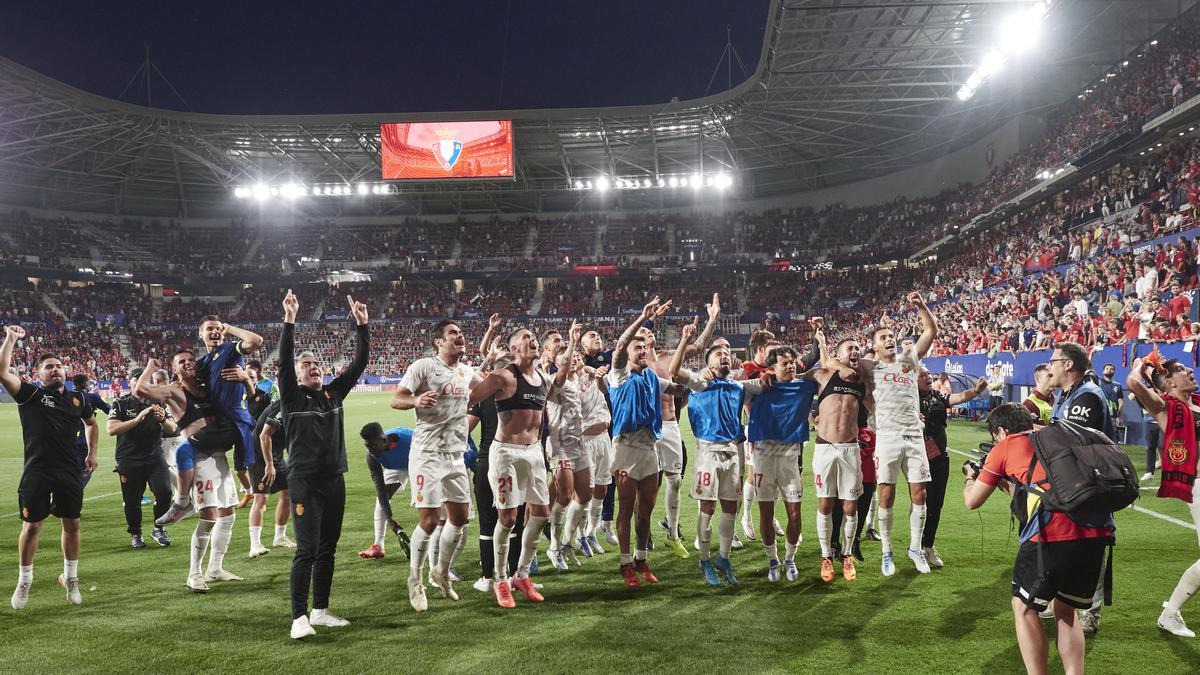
[[196, 408], [526, 397], [837, 385]]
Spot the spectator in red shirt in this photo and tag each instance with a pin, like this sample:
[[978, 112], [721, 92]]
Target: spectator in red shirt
[[1180, 302], [1058, 560]]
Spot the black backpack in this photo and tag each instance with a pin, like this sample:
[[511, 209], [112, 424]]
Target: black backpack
[[1087, 473]]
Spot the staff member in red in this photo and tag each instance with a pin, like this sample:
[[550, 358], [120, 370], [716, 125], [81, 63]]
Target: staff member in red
[[1059, 559]]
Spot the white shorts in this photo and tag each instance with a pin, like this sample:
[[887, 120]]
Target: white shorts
[[581, 463], [634, 456], [517, 474], [437, 478], [900, 454], [600, 454], [669, 448], [837, 470], [777, 477], [718, 475], [214, 485], [572, 450], [395, 477]]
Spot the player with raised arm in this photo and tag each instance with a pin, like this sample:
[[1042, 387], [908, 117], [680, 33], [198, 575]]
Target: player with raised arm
[[569, 459], [315, 430], [715, 408], [637, 398], [517, 465], [220, 369], [900, 443], [669, 446], [50, 480], [213, 489], [438, 388], [597, 421], [1172, 401], [600, 361]]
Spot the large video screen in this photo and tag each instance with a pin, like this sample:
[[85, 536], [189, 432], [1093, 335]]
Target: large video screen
[[432, 150]]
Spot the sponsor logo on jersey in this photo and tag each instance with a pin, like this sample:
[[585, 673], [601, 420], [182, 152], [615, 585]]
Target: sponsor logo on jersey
[[48, 401], [453, 390], [898, 379]]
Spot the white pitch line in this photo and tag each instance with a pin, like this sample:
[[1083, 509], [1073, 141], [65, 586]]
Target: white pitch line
[[1135, 507], [86, 499]]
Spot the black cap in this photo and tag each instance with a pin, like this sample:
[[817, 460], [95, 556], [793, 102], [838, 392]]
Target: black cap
[[136, 374]]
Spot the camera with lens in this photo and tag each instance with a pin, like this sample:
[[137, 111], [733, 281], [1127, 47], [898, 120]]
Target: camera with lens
[[972, 467]]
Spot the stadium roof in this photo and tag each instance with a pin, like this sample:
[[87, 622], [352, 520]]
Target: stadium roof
[[844, 90]]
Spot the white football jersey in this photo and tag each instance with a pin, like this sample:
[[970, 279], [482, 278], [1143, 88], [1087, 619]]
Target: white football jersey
[[442, 428], [595, 408], [897, 400], [565, 413]]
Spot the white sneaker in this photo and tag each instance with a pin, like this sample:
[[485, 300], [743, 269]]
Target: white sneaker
[[324, 617], [888, 565], [696, 543], [557, 559], [1147, 476], [1170, 621], [789, 567], [918, 558], [779, 529], [416, 594], [256, 551], [20, 596], [594, 543], [1047, 613], [221, 575], [1090, 621], [444, 585], [737, 543], [568, 553], [196, 583], [483, 585], [301, 628], [72, 585], [610, 534], [932, 557], [284, 543]]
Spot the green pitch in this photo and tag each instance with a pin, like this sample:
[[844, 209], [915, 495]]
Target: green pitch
[[138, 616]]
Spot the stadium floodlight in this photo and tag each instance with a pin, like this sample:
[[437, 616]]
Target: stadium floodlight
[[645, 182], [992, 62], [578, 184], [662, 182], [363, 188], [291, 190], [724, 180], [602, 183], [696, 181], [1022, 29], [674, 181], [1154, 43], [261, 192], [965, 92], [241, 192], [683, 182]]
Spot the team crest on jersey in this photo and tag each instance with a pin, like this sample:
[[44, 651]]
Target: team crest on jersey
[[77, 400], [48, 401], [262, 486], [447, 150], [24, 511], [299, 509], [327, 395], [1177, 453], [124, 479], [500, 498], [420, 497], [905, 369]]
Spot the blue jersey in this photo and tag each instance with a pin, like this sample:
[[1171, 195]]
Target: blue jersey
[[636, 401], [780, 412], [229, 395], [715, 410], [396, 456]]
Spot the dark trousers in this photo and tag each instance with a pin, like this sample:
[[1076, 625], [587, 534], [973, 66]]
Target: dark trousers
[[864, 505], [487, 517], [134, 480], [935, 496], [1153, 439], [318, 502]]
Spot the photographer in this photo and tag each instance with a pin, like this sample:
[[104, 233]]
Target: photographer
[[1058, 559]]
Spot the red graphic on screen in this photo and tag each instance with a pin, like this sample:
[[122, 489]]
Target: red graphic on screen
[[447, 150]]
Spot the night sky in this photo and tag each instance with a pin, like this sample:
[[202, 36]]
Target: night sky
[[307, 57]]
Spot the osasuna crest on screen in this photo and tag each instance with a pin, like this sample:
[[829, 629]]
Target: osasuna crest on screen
[[447, 150]]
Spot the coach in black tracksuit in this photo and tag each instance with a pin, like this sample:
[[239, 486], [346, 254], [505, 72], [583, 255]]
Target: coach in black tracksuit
[[139, 426], [313, 420]]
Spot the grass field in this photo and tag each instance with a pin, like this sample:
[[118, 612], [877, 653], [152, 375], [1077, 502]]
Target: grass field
[[137, 615]]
